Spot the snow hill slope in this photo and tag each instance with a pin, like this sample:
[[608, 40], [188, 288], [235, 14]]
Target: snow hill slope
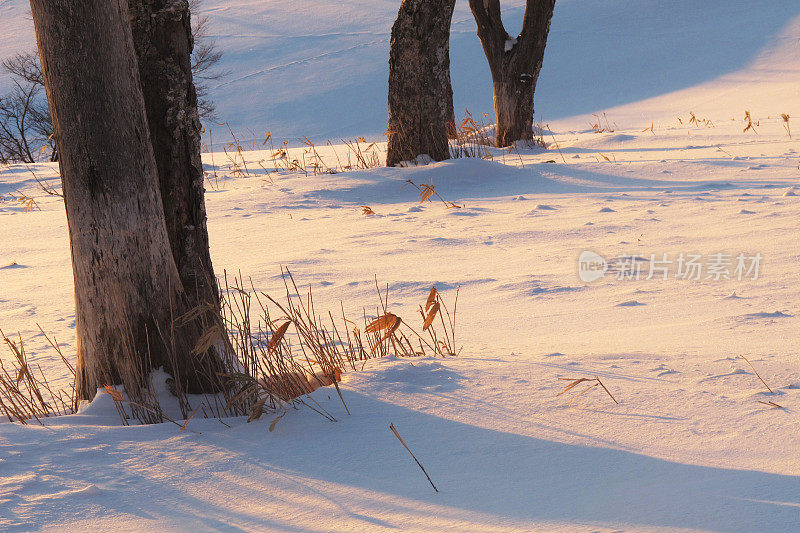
[[690, 446]]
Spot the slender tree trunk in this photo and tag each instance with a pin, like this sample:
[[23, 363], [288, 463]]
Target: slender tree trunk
[[162, 38], [420, 95], [127, 287], [515, 64]]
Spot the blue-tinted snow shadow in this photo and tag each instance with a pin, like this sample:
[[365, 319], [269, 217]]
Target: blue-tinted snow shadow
[[503, 476], [472, 178], [510, 476], [600, 54]]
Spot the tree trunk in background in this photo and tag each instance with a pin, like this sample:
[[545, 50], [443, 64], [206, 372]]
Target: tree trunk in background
[[127, 287], [162, 38], [515, 64], [420, 95]]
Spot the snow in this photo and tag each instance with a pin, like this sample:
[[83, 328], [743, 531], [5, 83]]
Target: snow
[[689, 446]]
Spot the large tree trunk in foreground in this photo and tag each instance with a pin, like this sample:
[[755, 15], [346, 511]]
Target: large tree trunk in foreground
[[515, 64], [162, 38], [420, 94], [127, 287]]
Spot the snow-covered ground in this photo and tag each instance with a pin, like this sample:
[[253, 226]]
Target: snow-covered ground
[[689, 446]]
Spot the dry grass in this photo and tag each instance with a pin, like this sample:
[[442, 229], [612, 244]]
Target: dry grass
[[785, 118], [757, 374], [472, 138], [428, 191], [287, 350], [25, 392], [274, 353], [696, 122], [358, 154], [594, 382], [396, 434], [749, 125], [601, 124], [27, 203]]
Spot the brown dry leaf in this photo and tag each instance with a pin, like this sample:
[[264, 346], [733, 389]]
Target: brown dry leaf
[[258, 409], [275, 422], [392, 329], [431, 298], [574, 383], [275, 340], [431, 316], [23, 369], [382, 322], [366, 210], [115, 394], [426, 193], [207, 340], [239, 397]]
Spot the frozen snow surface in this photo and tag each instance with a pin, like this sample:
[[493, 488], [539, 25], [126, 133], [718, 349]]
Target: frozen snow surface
[[689, 447]]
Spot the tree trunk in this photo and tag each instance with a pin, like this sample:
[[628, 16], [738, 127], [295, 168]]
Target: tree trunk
[[127, 287], [515, 64], [420, 95], [162, 38]]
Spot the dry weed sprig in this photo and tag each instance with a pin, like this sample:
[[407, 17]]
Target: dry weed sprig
[[574, 382], [757, 374], [749, 120], [44, 186], [785, 117], [556, 143], [396, 434], [427, 191]]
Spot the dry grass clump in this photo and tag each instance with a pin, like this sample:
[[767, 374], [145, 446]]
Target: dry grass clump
[[472, 138], [697, 122], [287, 350], [25, 393], [21, 200], [601, 124], [273, 353], [357, 155]]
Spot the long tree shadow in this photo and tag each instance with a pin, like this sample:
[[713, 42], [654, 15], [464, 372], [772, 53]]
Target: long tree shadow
[[525, 478], [477, 178], [660, 47], [356, 469], [600, 54]]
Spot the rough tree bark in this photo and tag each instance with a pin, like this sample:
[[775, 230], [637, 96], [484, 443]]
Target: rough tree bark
[[162, 38], [127, 287], [420, 95], [515, 64]]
